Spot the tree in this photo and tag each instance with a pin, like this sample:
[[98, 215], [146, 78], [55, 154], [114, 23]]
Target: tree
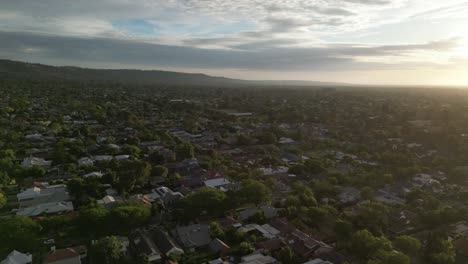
[[18, 233], [216, 231], [92, 221], [132, 150], [438, 250], [363, 244], [314, 166], [373, 216], [286, 255], [132, 172], [185, 150], [160, 171], [106, 250], [125, 217], [343, 229], [255, 192], [389, 257], [36, 171], [245, 248], [367, 193], [3, 200], [407, 244], [204, 200], [268, 138], [55, 223]]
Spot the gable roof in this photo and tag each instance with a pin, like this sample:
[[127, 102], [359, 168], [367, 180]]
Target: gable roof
[[163, 240], [16, 257], [62, 254], [197, 235]]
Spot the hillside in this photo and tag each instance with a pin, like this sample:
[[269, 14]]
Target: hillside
[[16, 69]]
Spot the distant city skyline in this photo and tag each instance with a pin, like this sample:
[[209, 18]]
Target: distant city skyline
[[392, 42]]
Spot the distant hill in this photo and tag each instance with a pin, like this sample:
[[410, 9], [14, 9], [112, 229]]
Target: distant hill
[[16, 69]]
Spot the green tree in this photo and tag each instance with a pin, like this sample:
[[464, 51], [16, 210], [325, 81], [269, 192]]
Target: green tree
[[216, 231], [105, 250], [407, 244], [363, 244], [132, 150], [92, 221], [268, 138], [367, 193], [343, 230], [18, 233], [160, 170], [245, 248], [126, 217], [132, 172], [3, 200], [205, 200], [389, 257], [185, 150], [254, 192], [438, 249], [286, 255]]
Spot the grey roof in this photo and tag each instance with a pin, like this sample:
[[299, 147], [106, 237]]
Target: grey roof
[[163, 240], [197, 235], [16, 257], [47, 208], [142, 240]]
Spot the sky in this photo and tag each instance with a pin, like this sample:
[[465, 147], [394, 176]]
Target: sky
[[391, 42]]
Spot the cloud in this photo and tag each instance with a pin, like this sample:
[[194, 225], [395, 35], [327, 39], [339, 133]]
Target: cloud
[[254, 35], [446, 11], [370, 2], [124, 54]]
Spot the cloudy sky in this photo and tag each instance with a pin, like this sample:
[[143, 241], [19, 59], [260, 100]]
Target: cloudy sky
[[354, 41]]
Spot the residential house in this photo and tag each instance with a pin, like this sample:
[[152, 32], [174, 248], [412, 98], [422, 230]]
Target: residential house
[[46, 209], [258, 258], [34, 138], [349, 195], [141, 243], [265, 230], [269, 212], [222, 184], [304, 245], [49, 194], [110, 201], [71, 255], [193, 236], [96, 174], [217, 261], [102, 158], [16, 257], [165, 195], [218, 246], [165, 242], [402, 221], [270, 244], [33, 161], [317, 261], [286, 141], [85, 161], [461, 229], [388, 197]]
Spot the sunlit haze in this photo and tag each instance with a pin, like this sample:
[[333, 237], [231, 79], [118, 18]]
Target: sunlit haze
[[394, 42]]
